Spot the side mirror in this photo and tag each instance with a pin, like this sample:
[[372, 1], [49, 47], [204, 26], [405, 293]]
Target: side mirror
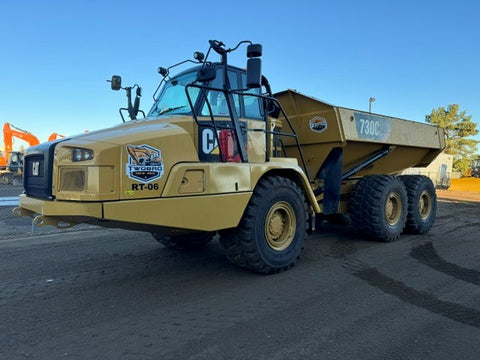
[[254, 50], [254, 73], [116, 82], [206, 74]]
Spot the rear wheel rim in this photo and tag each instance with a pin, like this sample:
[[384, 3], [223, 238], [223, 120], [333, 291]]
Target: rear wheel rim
[[393, 208], [280, 226], [425, 204]]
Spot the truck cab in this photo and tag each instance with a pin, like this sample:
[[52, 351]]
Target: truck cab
[[175, 99], [15, 162]]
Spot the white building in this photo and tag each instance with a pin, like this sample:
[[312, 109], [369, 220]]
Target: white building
[[439, 170]]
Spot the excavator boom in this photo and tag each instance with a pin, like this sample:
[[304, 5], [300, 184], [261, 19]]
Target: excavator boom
[[10, 131], [12, 161], [55, 136]]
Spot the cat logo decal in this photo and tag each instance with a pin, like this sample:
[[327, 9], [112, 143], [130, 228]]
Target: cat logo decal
[[144, 163]]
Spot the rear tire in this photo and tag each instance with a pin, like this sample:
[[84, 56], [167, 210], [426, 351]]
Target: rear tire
[[378, 207], [273, 228], [191, 241], [422, 203]]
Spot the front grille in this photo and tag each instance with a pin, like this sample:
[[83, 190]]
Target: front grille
[[73, 179], [38, 169]]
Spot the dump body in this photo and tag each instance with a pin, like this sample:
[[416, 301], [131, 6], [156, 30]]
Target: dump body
[[321, 127]]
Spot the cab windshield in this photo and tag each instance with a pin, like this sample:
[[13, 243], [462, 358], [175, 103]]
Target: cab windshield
[[172, 98]]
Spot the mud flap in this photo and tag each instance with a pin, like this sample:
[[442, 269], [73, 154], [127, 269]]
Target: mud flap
[[331, 174]]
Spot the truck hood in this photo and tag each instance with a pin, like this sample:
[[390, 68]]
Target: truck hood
[[123, 133]]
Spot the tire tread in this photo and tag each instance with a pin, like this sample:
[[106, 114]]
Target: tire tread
[[240, 244], [365, 207]]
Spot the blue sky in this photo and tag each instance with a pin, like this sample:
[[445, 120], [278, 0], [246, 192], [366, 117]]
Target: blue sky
[[412, 56]]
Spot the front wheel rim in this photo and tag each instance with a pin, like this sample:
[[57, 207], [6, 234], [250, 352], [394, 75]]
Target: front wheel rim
[[280, 226]]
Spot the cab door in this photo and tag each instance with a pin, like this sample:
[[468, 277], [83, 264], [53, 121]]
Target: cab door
[[249, 111]]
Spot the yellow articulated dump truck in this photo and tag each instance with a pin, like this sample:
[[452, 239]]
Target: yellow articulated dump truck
[[220, 153]]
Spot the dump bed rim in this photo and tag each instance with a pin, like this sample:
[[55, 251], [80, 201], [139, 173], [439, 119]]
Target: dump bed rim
[[350, 109]]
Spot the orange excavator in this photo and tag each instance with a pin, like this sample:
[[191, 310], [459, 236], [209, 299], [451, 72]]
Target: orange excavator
[[10, 131], [55, 136], [12, 161]]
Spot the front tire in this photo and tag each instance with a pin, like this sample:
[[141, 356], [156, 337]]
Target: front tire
[[378, 207], [273, 228]]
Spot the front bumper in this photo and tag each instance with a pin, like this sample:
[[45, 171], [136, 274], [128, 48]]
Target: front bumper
[[201, 213], [61, 214], [60, 208]]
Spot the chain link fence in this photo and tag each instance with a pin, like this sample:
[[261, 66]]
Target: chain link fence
[[9, 224], [12, 226]]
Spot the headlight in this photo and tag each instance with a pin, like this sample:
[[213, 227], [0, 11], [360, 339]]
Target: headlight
[[80, 154]]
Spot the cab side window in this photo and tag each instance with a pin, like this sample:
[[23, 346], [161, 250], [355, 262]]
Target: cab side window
[[249, 107], [253, 108], [217, 99]]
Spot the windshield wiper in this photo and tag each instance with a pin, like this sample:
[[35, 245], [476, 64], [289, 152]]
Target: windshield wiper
[[164, 111]]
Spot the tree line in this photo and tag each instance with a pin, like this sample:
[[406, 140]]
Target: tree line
[[459, 128]]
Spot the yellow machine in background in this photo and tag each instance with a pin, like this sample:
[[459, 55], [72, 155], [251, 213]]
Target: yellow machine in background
[[218, 152]]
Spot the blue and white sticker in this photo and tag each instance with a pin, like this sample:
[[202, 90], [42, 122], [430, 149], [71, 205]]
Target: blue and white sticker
[[144, 163], [318, 124], [372, 127]]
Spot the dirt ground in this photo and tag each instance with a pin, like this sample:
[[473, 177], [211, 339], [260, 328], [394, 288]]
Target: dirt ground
[[467, 189], [114, 294]]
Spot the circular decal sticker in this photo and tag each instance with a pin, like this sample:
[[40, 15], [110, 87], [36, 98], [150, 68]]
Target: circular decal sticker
[[318, 124]]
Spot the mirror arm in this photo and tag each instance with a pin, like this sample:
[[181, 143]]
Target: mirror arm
[[131, 111], [240, 43], [266, 84]]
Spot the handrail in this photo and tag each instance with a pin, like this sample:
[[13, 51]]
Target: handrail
[[294, 133], [267, 131]]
